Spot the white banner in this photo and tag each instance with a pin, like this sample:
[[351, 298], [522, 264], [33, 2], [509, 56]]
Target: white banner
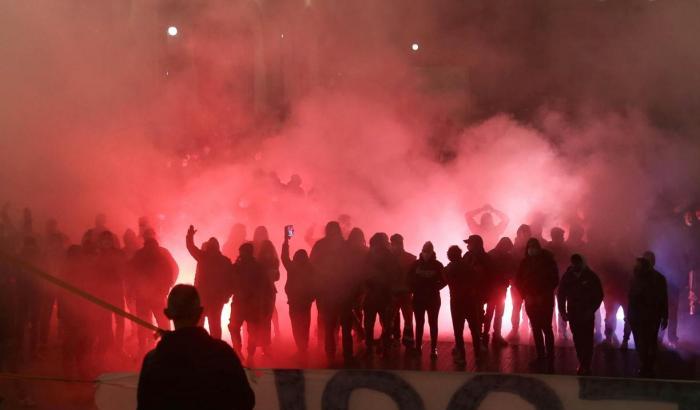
[[423, 390]]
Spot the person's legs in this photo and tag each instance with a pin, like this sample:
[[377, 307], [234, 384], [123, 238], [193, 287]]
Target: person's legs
[[347, 320], [235, 324], [419, 313], [370, 318], [488, 316], [515, 315], [474, 315], [386, 319], [537, 326], [673, 298], [407, 313], [433, 313], [585, 345], [458, 317], [46, 309], [547, 318], [611, 305], [500, 304], [213, 315], [296, 313]]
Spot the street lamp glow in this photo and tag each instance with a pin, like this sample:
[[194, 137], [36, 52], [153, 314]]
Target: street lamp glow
[[172, 31], [415, 46]]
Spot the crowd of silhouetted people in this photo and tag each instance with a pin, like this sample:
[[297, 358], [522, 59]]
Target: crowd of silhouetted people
[[353, 284]]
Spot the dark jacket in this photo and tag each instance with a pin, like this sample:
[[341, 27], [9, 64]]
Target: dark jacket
[[253, 290], [537, 277], [153, 271], [191, 370], [381, 272], [503, 268], [301, 279], [648, 297], [212, 277], [458, 281], [579, 296], [426, 279], [406, 261], [479, 270], [329, 256]]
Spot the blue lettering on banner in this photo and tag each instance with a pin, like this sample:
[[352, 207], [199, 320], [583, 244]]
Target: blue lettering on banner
[[685, 394], [536, 392], [336, 395]]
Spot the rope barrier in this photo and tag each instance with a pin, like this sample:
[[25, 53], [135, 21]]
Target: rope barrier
[[77, 291]]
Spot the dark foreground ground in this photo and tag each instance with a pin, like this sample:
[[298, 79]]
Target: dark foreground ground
[[56, 393]]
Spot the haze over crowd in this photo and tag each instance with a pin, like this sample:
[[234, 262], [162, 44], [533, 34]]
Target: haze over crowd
[[584, 113]]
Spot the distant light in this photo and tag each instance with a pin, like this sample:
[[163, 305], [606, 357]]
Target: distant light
[[282, 35], [172, 31], [415, 46]]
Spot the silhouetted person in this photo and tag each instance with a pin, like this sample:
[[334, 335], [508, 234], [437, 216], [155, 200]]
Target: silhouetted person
[[479, 270], [266, 255], [329, 256], [381, 272], [252, 291], [55, 244], [460, 299], [189, 369], [426, 279], [536, 280], [294, 186], [402, 290], [614, 277], [110, 268], [153, 272], [579, 295], [561, 255], [236, 238], [100, 227], [647, 311], [522, 236], [268, 259], [74, 317], [212, 279], [356, 254], [301, 292], [486, 227], [504, 265]]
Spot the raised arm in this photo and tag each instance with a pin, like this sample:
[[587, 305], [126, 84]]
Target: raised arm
[[286, 260], [470, 217], [503, 220], [191, 247]]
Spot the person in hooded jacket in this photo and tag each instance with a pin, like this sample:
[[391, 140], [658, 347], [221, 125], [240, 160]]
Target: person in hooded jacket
[[252, 290], [536, 280], [154, 271], [458, 282], [479, 270], [212, 279], [522, 236], [301, 292], [579, 295], [336, 292], [110, 268], [504, 264], [647, 311], [381, 272], [267, 255], [403, 296], [426, 279], [356, 255]]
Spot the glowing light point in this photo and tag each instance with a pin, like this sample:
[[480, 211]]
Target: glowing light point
[[172, 31], [282, 35], [415, 46]]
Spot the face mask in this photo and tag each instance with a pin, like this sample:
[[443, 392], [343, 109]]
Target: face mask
[[426, 256], [532, 252]]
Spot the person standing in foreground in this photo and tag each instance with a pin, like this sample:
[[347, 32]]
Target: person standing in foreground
[[579, 296], [647, 311], [426, 279], [190, 369], [212, 278], [536, 281]]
